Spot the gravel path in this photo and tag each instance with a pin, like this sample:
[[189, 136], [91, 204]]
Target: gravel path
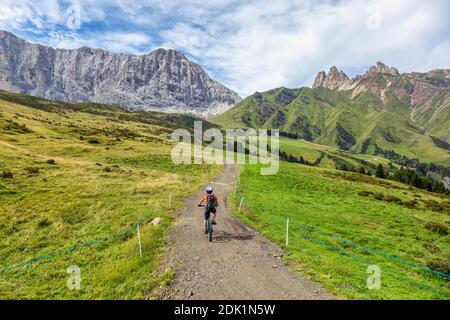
[[238, 264]]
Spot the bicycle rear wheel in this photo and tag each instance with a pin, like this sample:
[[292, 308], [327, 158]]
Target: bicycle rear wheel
[[209, 229]]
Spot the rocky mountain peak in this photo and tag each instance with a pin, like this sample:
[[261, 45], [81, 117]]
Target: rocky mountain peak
[[333, 71], [4, 33], [381, 80], [320, 79], [337, 79], [162, 80], [380, 67], [168, 52], [333, 80]]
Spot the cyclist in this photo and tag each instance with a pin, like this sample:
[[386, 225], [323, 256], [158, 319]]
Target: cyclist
[[211, 202]]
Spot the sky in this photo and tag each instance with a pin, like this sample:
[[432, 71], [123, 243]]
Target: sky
[[248, 45]]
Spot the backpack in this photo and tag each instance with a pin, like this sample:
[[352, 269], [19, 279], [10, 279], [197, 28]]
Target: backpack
[[210, 203]]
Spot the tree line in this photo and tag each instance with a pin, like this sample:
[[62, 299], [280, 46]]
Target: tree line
[[411, 177], [417, 178]]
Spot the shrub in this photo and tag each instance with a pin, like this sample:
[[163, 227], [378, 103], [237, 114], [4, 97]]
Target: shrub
[[365, 193], [32, 170], [379, 196], [389, 198], [44, 223], [431, 248], [71, 216], [107, 169], [437, 206], [409, 203], [439, 265], [51, 161], [17, 128], [437, 227], [93, 141], [7, 175], [127, 235]]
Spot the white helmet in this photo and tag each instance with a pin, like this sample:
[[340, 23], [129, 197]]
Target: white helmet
[[209, 190]]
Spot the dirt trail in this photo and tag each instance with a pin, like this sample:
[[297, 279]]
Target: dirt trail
[[238, 264]]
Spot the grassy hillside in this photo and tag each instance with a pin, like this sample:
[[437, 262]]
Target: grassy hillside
[[76, 179], [332, 157], [361, 124], [336, 217], [86, 174]]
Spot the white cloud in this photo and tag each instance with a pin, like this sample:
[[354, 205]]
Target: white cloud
[[258, 45], [114, 42], [262, 45]]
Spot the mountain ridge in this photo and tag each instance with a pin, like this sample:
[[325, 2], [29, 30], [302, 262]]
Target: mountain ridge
[[379, 112], [161, 80], [418, 88]]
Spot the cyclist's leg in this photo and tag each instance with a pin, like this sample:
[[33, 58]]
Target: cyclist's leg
[[214, 213], [207, 214]]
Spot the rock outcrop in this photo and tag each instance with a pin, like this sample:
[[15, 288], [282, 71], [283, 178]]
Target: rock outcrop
[[334, 80], [380, 67]]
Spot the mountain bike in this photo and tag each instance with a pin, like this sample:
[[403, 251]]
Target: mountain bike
[[208, 227]]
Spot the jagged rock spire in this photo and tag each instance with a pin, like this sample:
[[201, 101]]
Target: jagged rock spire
[[337, 80], [333, 80], [380, 67]]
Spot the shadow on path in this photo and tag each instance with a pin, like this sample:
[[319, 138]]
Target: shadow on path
[[223, 236]]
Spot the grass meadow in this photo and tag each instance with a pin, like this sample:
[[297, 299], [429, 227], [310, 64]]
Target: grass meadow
[[75, 180], [341, 223], [70, 177]]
